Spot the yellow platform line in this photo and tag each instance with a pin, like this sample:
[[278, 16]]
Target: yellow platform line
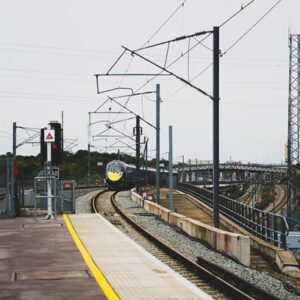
[[98, 275]]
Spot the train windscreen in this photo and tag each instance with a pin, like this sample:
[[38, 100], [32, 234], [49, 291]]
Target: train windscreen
[[115, 171]]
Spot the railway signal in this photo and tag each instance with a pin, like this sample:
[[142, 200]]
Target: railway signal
[[54, 135], [51, 154]]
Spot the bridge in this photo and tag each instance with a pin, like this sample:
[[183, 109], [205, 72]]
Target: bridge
[[231, 172]]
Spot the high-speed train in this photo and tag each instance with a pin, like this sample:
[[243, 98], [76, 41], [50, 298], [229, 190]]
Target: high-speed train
[[121, 176]]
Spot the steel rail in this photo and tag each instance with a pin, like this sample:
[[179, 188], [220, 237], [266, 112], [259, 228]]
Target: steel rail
[[222, 279], [94, 200]]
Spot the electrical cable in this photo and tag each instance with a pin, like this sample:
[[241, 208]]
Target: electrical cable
[[198, 42], [46, 72], [46, 99], [183, 54], [254, 25], [188, 60], [50, 53], [6, 132], [165, 22], [46, 78], [152, 36], [234, 15], [131, 60], [48, 95], [52, 47], [234, 44]]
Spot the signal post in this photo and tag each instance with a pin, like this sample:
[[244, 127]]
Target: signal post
[[49, 138], [51, 154]]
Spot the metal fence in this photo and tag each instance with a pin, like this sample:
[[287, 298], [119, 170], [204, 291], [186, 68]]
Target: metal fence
[[62, 195], [30, 196], [7, 187], [3, 185], [267, 226]]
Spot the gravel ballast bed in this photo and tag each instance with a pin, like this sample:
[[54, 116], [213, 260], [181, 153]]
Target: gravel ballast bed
[[189, 246], [193, 249], [82, 203]]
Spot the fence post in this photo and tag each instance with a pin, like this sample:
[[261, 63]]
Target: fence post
[[283, 234], [8, 201], [10, 205]]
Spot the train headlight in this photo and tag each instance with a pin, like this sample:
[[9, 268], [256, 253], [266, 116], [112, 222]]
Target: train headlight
[[114, 176]]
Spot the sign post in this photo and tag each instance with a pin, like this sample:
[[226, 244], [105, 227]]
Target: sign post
[[49, 137]]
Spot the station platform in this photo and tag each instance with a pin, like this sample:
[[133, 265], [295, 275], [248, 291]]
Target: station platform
[[126, 268], [38, 260]]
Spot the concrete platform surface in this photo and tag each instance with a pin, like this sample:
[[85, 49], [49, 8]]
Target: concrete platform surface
[[133, 272], [38, 260]]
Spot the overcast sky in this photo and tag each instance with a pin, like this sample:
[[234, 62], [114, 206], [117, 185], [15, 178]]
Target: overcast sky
[[50, 51]]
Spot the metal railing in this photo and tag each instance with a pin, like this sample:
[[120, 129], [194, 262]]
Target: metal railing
[[62, 195], [40, 194], [269, 227]]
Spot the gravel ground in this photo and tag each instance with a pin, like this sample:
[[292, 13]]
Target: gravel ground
[[191, 247], [82, 203]]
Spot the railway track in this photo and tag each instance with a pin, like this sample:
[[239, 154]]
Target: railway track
[[247, 198], [277, 206], [215, 281]]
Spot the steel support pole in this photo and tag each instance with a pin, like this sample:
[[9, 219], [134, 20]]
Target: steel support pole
[[289, 144], [89, 150], [49, 190], [298, 99], [183, 168], [171, 186], [14, 140], [157, 142], [8, 186], [13, 178], [146, 163], [137, 143], [62, 133], [216, 127]]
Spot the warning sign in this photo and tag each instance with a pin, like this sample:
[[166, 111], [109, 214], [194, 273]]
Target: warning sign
[[49, 136]]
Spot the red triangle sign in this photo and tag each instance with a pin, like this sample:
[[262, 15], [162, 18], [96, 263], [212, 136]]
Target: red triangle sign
[[49, 136]]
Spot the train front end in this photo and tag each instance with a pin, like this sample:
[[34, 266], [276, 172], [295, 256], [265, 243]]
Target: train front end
[[115, 175]]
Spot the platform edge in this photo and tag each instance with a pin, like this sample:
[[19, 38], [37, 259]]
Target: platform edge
[[104, 285]]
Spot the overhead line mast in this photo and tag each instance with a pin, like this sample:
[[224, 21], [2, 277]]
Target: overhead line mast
[[293, 145]]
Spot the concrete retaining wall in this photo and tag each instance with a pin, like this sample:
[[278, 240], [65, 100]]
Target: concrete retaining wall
[[285, 259], [232, 244]]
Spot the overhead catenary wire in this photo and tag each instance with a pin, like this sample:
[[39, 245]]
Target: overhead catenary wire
[[148, 40], [165, 22], [229, 48], [29, 98], [87, 81], [177, 39], [49, 95], [5, 137], [43, 71], [50, 53], [190, 49], [180, 38], [254, 25], [6, 132], [51, 47], [235, 14], [171, 73], [198, 42]]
